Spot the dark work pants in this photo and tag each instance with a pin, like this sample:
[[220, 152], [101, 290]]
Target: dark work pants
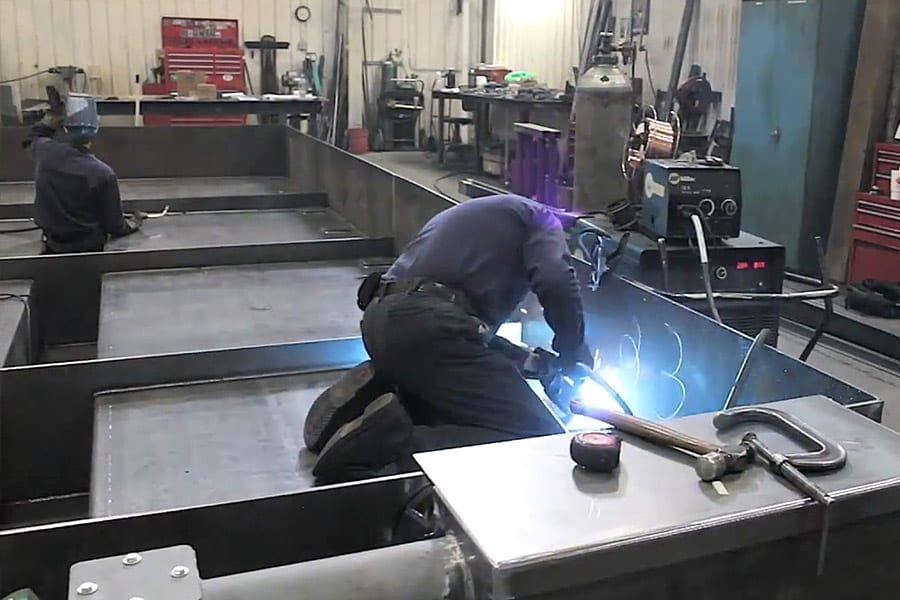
[[457, 391]]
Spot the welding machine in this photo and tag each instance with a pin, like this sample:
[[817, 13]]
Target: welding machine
[[745, 263], [675, 189]]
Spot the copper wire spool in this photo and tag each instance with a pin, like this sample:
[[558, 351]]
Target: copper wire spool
[[660, 139], [652, 138]]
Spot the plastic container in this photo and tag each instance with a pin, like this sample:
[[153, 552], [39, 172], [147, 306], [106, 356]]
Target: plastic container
[[358, 140]]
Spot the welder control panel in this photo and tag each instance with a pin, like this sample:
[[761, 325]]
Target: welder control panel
[[675, 189]]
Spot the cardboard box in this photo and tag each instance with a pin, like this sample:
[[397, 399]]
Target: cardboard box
[[186, 82], [207, 91]]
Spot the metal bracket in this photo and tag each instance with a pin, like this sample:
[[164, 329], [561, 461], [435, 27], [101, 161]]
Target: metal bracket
[[169, 573]]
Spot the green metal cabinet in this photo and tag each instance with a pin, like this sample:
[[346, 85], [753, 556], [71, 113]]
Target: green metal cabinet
[[796, 65]]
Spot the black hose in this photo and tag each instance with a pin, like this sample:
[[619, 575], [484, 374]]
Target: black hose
[[829, 304], [741, 379]]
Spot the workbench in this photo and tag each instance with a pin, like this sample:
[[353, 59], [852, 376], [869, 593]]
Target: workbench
[[538, 524], [308, 107], [495, 113]]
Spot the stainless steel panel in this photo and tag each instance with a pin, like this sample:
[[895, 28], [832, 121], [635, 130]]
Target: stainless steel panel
[[667, 361], [541, 524], [227, 307], [167, 187], [186, 230], [15, 323], [136, 152], [51, 407], [229, 538], [192, 445]]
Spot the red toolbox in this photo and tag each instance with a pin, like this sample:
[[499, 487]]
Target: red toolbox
[[887, 159], [875, 251], [209, 46]]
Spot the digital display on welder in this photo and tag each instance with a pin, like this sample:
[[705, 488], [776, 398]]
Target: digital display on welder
[[755, 265]]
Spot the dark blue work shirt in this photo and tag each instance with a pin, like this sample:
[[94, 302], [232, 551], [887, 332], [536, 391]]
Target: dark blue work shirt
[[494, 250], [76, 194]]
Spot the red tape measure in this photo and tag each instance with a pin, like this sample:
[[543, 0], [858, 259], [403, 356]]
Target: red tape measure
[[596, 450]]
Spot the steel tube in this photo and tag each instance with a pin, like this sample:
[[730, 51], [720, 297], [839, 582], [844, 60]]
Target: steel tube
[[678, 61], [417, 571]]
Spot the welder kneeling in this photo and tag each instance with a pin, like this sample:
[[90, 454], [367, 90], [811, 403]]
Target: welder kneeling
[[77, 203], [437, 377]]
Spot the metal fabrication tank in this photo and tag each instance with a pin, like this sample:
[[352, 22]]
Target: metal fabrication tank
[[603, 108]]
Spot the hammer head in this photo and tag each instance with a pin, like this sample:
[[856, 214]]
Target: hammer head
[[725, 460]]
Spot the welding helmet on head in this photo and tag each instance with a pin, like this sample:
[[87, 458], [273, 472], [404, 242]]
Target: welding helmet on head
[[82, 119]]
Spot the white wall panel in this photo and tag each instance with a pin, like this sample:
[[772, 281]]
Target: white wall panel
[[544, 36], [430, 34], [114, 40]]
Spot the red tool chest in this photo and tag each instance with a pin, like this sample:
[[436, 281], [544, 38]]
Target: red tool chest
[[887, 159], [209, 46], [875, 251]]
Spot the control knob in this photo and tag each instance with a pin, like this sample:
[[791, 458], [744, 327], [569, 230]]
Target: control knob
[[707, 207], [729, 207]]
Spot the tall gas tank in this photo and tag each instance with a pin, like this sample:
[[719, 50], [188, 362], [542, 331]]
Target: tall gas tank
[[603, 107]]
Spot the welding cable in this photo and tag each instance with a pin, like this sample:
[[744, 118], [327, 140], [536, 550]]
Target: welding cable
[[23, 77], [677, 146], [664, 261], [704, 265], [737, 387]]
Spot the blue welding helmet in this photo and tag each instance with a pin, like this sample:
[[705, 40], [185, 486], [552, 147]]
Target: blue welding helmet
[[82, 119]]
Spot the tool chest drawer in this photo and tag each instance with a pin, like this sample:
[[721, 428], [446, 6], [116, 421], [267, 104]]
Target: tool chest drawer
[[874, 254], [878, 211], [887, 159]]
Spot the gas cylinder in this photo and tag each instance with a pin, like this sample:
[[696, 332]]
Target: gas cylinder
[[603, 109]]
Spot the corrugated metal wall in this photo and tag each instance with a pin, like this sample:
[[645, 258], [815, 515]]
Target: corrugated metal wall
[[429, 32], [544, 36], [114, 40]]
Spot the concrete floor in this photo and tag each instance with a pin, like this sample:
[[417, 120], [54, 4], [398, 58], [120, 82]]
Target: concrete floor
[[424, 169]]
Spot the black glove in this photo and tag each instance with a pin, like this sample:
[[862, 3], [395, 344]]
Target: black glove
[[568, 361]]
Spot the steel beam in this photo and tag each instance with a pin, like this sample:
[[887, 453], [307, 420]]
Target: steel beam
[[229, 538]]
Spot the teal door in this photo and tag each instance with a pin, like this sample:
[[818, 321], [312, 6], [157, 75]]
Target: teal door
[[776, 76]]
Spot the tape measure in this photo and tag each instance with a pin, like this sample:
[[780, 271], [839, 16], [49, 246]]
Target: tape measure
[[596, 450]]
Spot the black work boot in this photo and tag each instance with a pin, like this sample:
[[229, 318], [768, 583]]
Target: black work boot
[[368, 446], [340, 404]]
